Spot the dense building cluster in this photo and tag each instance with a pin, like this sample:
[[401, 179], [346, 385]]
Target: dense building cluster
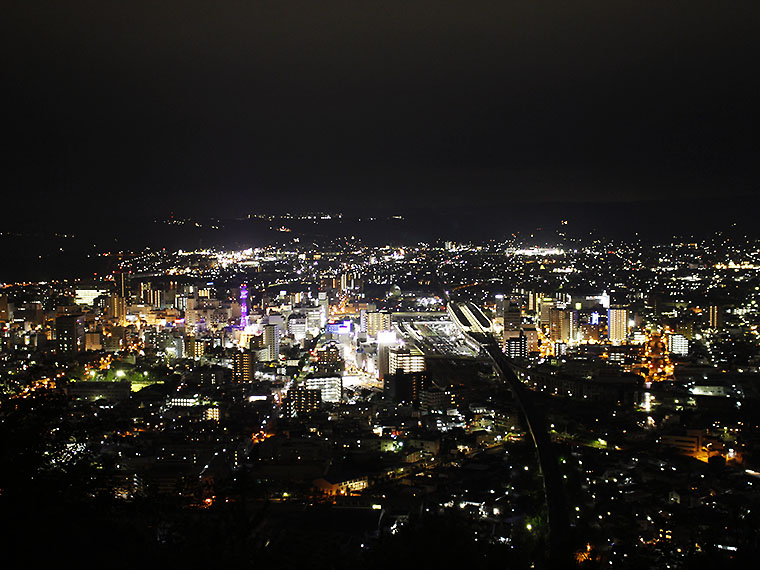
[[342, 398]]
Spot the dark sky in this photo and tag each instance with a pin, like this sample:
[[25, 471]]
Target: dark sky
[[225, 107]]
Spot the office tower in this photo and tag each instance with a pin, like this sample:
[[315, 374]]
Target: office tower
[[531, 337], [69, 333], [563, 324], [378, 321], [403, 359], [244, 366], [533, 302], [617, 324], [271, 342], [145, 289]]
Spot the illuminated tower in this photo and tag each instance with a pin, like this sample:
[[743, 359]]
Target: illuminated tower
[[243, 305]]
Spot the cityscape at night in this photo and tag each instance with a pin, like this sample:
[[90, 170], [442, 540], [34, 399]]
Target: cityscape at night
[[343, 285]]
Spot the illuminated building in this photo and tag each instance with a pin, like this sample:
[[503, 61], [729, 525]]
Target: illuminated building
[[115, 308], [405, 386], [301, 400], [378, 321], [93, 341], [330, 387], [297, 326], [403, 359], [272, 342], [385, 339], [244, 366], [678, 344], [329, 360], [715, 317], [194, 348], [324, 304], [545, 307], [531, 337], [86, 296], [563, 324], [347, 281], [617, 324], [516, 346]]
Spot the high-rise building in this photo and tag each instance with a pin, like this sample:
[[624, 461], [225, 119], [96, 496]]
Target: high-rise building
[[271, 342], [346, 281], [330, 387], [678, 344], [329, 360], [617, 324], [563, 325], [531, 336], [405, 387], [6, 309], [116, 308], [378, 321], [516, 346], [403, 359], [324, 304], [512, 315], [301, 400], [546, 305], [297, 326], [385, 340], [715, 317], [69, 333], [194, 348], [244, 366]]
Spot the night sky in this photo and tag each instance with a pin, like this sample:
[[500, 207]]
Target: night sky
[[224, 107]]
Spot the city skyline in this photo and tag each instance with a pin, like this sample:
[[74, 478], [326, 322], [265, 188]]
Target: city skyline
[[373, 285]]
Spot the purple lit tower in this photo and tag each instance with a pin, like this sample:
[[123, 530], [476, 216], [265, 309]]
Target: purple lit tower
[[243, 305]]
